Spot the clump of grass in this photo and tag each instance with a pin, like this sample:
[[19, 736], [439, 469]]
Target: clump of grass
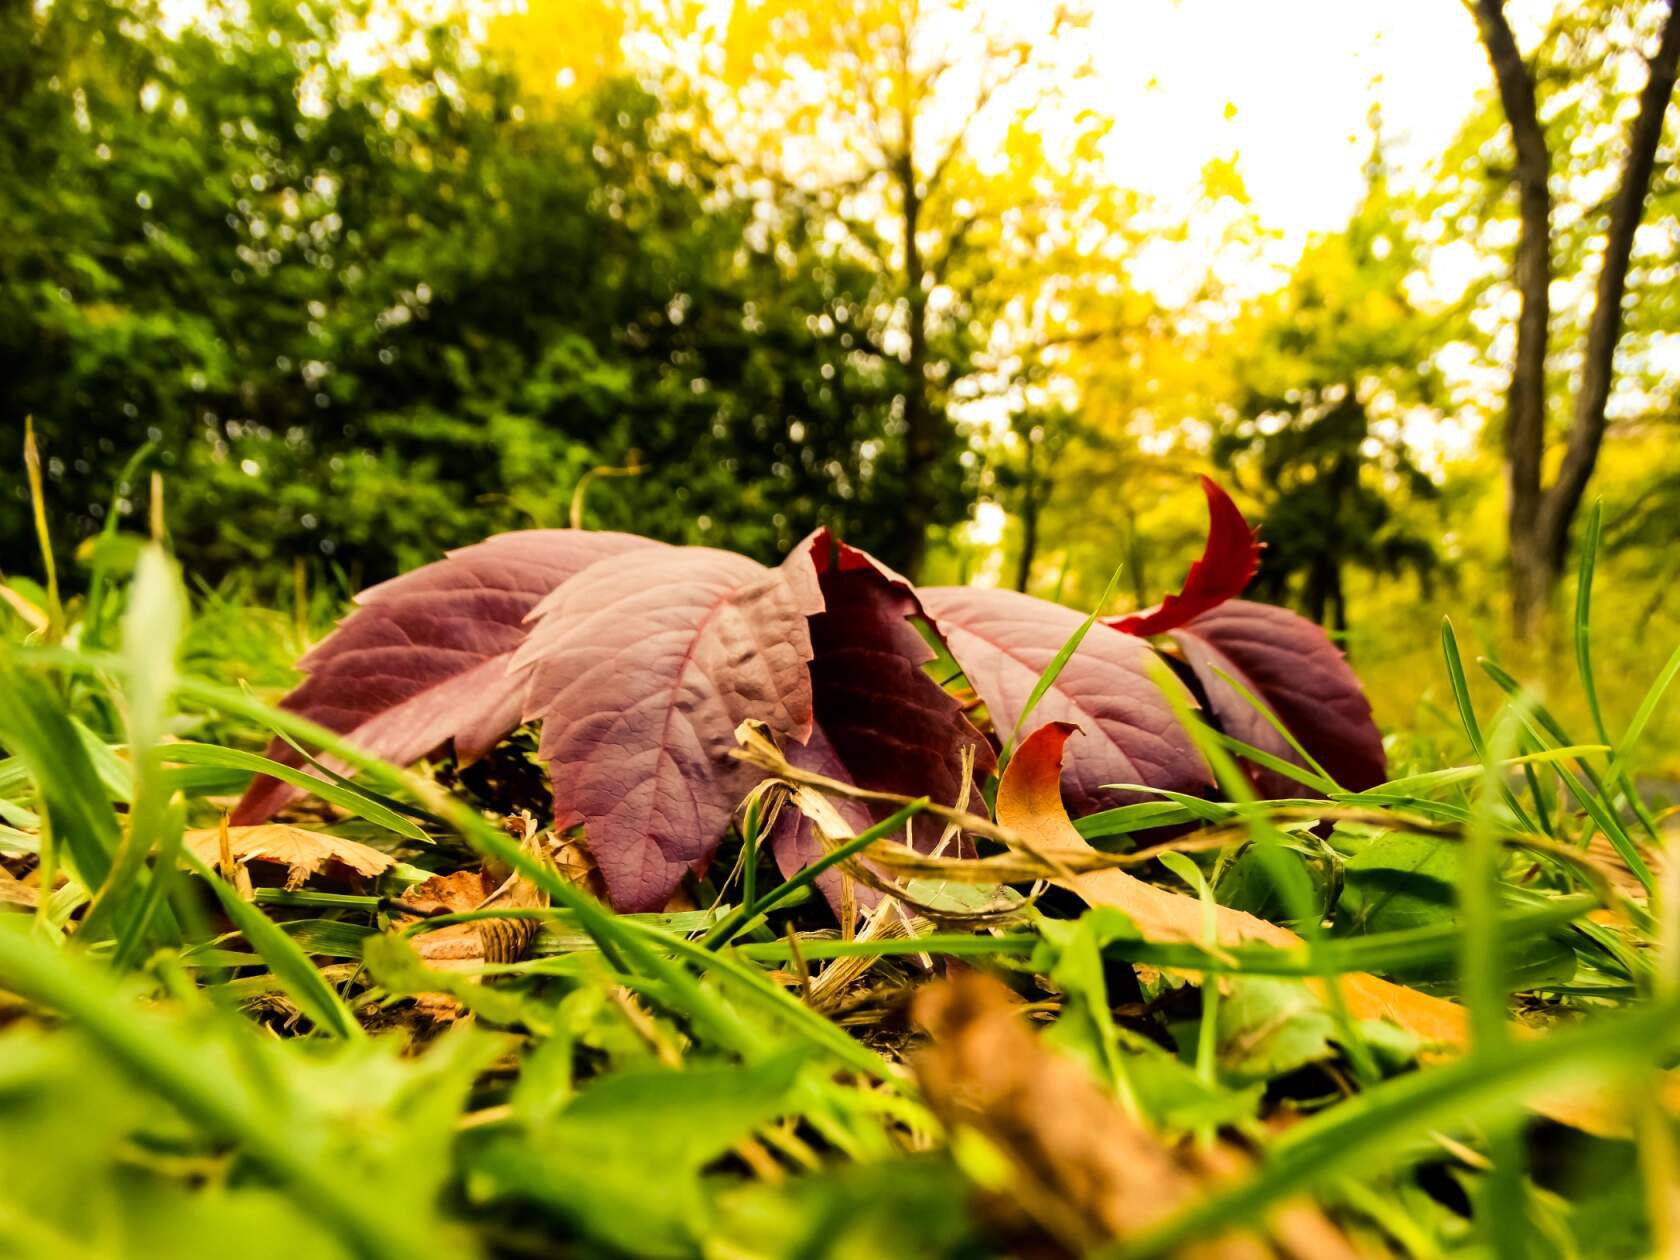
[[186, 1055]]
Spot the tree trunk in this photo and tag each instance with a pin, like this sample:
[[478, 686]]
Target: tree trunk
[[921, 435], [1525, 411], [1338, 606], [1032, 503], [1586, 428], [1136, 559], [1029, 547], [1539, 518]]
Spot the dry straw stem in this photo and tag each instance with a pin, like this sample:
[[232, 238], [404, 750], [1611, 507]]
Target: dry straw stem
[[1030, 859]]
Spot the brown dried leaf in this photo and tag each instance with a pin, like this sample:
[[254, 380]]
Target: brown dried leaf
[[454, 893], [466, 946], [1082, 1169], [303, 853]]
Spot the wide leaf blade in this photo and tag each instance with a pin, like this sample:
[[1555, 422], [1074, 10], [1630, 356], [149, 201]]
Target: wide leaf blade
[[640, 672], [1290, 664], [1004, 642], [423, 661]]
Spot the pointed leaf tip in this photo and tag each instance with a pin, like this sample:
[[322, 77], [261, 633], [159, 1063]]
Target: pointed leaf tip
[[1227, 565], [1029, 797]]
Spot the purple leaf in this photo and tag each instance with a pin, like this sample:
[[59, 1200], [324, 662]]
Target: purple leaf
[[891, 725], [640, 671], [1290, 664], [424, 660], [1004, 641], [881, 721]]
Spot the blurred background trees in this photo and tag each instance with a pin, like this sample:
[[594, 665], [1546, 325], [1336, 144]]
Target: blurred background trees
[[368, 281]]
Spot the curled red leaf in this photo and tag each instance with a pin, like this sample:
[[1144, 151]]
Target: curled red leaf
[[881, 721], [1227, 565], [891, 725]]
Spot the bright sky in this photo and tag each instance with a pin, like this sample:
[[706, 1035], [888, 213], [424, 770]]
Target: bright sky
[[1285, 84]]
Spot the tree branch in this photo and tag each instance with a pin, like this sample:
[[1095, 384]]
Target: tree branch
[[989, 88], [1586, 429]]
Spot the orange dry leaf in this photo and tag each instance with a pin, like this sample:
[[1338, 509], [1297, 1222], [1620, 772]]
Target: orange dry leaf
[[467, 946], [1029, 802], [303, 853], [454, 945], [1079, 1167]]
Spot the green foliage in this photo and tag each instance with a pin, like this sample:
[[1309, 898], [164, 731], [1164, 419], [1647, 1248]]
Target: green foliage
[[365, 313]]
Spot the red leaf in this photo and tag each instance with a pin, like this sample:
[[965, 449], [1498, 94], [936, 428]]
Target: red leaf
[[640, 671], [1291, 665], [1228, 564], [891, 725], [423, 660], [1004, 641], [882, 722]]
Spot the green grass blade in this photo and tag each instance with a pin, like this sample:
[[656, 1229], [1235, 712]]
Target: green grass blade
[[1125, 820], [1583, 617], [1467, 715], [355, 802], [131, 932], [99, 580], [1374, 1128], [158, 1054], [1594, 800], [34, 726], [152, 629], [1053, 670], [1648, 706], [285, 958], [730, 927], [112, 770], [1270, 845], [1277, 765], [775, 1001], [1320, 777], [1451, 775]]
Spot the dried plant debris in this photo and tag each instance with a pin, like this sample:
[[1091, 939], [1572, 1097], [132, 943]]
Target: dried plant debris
[[1070, 1160], [744, 916], [300, 852]]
